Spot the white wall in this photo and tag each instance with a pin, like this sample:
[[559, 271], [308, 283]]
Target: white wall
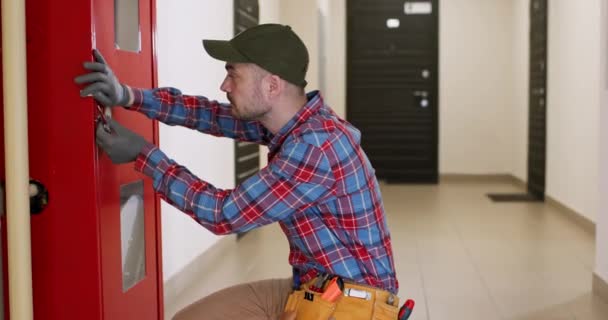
[[270, 11], [573, 101], [573, 78], [476, 80], [183, 63], [335, 54], [302, 16], [601, 229]]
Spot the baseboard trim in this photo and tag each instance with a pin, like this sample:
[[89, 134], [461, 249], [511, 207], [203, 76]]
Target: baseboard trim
[[495, 177], [572, 215], [464, 177], [600, 287], [569, 213]]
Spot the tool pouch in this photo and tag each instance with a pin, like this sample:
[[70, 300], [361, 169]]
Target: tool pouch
[[309, 305], [346, 308], [373, 305], [383, 311]]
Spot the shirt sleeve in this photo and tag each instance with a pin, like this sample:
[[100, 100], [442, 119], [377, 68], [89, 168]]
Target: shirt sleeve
[[170, 106], [298, 177]]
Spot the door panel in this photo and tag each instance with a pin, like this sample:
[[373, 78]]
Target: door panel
[[537, 131], [128, 235], [392, 87], [246, 155]]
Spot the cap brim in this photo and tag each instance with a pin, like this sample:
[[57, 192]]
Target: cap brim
[[223, 50]]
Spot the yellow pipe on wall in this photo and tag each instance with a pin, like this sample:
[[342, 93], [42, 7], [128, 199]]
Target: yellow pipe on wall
[[16, 159]]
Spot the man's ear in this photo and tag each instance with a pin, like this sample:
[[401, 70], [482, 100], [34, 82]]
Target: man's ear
[[276, 86]]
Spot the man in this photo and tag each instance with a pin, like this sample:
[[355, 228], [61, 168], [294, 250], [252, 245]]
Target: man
[[318, 185]]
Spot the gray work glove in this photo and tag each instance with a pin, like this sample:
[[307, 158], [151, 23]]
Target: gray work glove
[[102, 83], [121, 145]]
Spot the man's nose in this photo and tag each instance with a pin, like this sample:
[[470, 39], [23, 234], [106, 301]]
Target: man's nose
[[225, 86]]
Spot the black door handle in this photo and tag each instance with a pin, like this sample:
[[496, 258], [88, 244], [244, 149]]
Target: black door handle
[[39, 197]]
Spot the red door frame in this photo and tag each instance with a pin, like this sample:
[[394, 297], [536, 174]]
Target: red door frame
[[67, 258]]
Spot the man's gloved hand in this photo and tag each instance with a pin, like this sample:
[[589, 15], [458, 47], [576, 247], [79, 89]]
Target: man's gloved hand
[[122, 145], [103, 84]]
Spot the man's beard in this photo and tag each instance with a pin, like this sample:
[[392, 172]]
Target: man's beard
[[248, 114]]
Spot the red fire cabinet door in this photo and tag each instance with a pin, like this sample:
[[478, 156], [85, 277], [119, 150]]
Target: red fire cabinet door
[[96, 247]]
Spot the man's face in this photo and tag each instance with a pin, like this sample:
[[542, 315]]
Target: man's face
[[243, 87]]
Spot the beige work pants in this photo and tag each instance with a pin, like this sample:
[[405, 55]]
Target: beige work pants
[[260, 300]]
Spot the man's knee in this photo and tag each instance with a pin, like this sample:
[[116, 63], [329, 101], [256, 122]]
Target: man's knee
[[180, 315]]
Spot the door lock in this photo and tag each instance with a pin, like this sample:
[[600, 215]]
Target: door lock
[[422, 98], [39, 196], [539, 91], [421, 94]]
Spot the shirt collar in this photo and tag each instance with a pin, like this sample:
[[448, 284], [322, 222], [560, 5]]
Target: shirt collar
[[315, 102]]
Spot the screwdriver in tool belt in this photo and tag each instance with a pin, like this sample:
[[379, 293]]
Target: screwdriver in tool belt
[[406, 310], [318, 285]]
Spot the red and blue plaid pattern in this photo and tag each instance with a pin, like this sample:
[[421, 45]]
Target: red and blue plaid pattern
[[319, 185]]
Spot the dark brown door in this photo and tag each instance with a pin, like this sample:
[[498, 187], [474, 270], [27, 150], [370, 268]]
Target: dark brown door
[[392, 74], [247, 155], [537, 130]]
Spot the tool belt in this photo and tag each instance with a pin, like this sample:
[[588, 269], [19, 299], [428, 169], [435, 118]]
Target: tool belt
[[342, 301]]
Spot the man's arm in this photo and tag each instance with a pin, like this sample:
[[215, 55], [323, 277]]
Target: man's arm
[[167, 105], [170, 106], [297, 178]]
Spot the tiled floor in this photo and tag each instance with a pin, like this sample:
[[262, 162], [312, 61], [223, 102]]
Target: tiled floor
[[458, 255]]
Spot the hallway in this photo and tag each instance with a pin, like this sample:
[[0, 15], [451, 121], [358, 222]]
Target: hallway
[[457, 254]]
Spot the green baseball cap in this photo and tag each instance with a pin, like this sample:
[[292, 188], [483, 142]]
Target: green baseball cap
[[273, 47]]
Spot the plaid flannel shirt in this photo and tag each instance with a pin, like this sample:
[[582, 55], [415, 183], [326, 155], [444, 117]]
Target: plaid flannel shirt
[[319, 186]]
